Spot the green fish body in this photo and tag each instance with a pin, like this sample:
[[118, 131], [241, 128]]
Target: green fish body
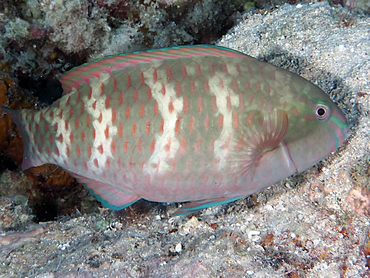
[[202, 123]]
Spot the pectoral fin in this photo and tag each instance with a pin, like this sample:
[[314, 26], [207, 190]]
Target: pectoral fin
[[261, 133]]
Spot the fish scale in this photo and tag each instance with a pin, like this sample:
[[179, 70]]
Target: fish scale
[[194, 123]]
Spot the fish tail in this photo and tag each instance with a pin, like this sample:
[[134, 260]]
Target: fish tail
[[29, 157]]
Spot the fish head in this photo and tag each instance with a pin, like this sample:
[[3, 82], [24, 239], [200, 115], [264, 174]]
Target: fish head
[[317, 127], [297, 128]]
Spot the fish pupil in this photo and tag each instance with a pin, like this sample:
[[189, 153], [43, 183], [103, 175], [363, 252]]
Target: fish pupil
[[322, 111]]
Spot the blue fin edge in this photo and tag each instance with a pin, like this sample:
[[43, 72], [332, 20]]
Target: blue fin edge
[[106, 204], [199, 205]]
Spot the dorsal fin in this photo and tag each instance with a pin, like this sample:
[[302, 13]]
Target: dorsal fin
[[82, 74]]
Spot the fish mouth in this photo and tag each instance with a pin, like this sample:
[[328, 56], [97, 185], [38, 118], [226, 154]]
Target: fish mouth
[[340, 125], [288, 158]]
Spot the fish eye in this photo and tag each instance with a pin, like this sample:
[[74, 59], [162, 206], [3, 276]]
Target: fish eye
[[322, 111]]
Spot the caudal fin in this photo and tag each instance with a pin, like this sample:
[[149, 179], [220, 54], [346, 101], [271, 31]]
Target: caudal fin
[[30, 159]]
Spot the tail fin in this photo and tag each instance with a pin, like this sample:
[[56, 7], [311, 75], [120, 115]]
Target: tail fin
[[29, 158]]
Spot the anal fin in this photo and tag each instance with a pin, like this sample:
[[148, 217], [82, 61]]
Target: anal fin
[[195, 206], [109, 196]]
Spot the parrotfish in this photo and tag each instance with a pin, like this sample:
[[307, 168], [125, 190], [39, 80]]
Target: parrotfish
[[204, 124]]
